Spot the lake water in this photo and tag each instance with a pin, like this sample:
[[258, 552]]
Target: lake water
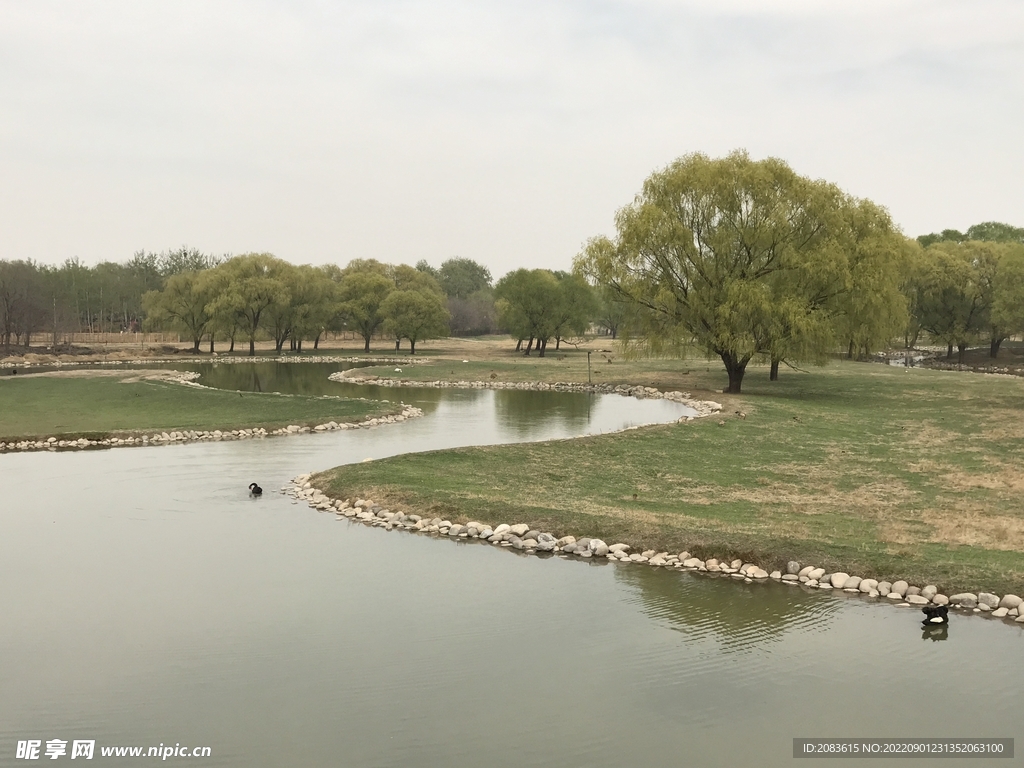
[[146, 599]]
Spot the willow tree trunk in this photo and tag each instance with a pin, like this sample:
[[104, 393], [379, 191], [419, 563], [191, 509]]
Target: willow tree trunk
[[735, 367], [774, 375], [961, 351], [993, 347], [949, 351]]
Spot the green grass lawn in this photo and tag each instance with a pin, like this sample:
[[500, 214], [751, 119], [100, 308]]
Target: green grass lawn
[[879, 471], [41, 406]]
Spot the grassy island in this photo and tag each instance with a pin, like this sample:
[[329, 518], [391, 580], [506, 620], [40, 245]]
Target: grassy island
[[102, 403], [878, 470]]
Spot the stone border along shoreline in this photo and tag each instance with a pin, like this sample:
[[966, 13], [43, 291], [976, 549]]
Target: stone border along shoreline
[[533, 542], [702, 407], [212, 359], [187, 436]]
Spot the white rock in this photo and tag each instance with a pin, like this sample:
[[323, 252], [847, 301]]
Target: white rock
[[866, 585], [900, 588], [999, 613], [1010, 601], [917, 599], [816, 573], [959, 597], [838, 580], [987, 598]]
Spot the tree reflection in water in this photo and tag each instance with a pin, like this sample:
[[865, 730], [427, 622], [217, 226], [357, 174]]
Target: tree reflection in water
[[530, 414]]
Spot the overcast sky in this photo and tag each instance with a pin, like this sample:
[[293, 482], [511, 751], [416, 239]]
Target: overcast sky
[[506, 131]]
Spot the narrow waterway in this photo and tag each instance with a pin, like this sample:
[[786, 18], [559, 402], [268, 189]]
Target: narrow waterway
[[146, 599]]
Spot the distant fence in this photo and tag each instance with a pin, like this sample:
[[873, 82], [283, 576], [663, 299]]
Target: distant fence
[[99, 339]]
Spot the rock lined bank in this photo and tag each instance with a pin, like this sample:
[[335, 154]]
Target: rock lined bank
[[530, 541], [702, 407], [186, 436], [41, 361]]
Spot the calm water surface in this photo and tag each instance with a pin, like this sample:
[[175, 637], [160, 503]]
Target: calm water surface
[[146, 599]]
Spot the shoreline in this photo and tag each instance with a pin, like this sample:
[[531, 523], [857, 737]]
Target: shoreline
[[987, 603], [136, 438], [702, 407], [523, 538], [163, 437], [192, 359]]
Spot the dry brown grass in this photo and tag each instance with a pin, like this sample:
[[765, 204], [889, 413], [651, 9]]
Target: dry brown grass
[[1003, 424], [970, 524]]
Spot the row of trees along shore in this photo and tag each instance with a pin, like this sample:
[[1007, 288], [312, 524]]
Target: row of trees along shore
[[259, 296], [244, 298], [741, 259]]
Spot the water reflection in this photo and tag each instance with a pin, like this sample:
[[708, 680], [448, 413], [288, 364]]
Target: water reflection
[[736, 614], [525, 414], [292, 379], [935, 634]]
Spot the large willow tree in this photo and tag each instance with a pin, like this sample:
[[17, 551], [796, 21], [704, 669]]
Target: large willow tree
[[744, 258]]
